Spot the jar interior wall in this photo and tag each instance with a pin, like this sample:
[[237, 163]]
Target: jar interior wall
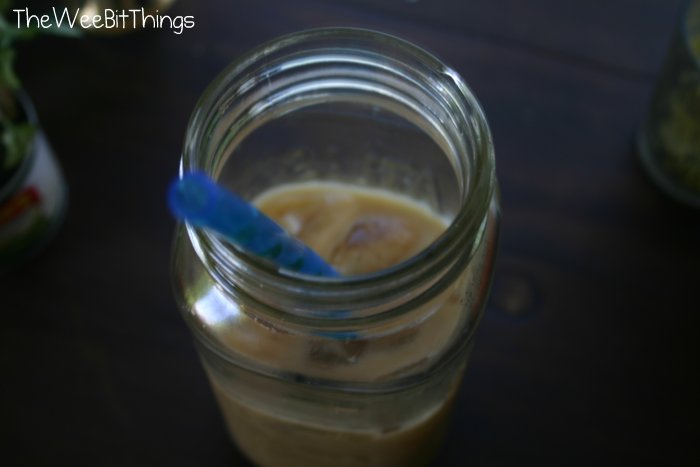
[[346, 142]]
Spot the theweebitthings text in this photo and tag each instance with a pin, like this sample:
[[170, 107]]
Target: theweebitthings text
[[109, 19]]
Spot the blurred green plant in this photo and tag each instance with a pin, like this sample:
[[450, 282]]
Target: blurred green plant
[[16, 131]]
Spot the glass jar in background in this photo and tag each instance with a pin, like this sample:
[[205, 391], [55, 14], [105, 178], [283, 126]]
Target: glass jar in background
[[358, 370], [669, 141], [33, 193]]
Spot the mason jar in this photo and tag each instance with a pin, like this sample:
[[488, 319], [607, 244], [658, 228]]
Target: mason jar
[[33, 191], [356, 370], [669, 138]]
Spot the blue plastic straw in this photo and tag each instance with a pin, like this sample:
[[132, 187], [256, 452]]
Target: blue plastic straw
[[196, 199]]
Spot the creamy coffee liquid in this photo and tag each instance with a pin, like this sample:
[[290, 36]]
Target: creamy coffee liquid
[[358, 230], [271, 440]]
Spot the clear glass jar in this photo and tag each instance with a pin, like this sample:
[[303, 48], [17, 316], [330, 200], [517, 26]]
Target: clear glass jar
[[33, 198], [358, 370], [669, 140]]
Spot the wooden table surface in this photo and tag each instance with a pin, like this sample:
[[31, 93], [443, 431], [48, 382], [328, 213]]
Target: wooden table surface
[[588, 353]]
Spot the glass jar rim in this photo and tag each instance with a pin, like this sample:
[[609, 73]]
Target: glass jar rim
[[461, 236]]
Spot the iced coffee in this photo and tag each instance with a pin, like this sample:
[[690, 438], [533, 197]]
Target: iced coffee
[[378, 156], [359, 231]]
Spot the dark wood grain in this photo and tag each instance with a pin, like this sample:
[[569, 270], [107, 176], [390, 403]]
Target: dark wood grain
[[622, 36], [588, 354]]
